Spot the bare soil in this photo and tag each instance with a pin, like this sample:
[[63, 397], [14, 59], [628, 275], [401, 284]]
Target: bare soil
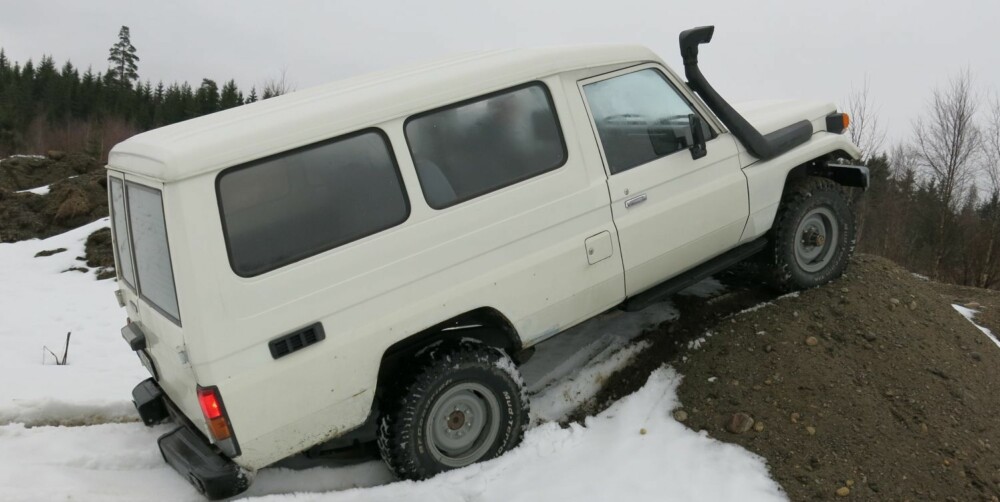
[[77, 195], [873, 384]]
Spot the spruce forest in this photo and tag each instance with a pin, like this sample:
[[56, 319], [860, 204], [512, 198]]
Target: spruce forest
[[46, 106], [933, 205]]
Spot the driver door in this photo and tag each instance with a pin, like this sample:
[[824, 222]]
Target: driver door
[[672, 211]]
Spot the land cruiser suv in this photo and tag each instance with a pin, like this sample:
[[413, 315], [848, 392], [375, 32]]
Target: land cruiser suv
[[369, 260]]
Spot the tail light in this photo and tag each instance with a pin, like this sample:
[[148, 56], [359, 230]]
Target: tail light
[[214, 412]]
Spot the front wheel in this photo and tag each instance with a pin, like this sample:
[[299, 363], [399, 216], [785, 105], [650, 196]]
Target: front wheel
[[461, 406], [813, 235]]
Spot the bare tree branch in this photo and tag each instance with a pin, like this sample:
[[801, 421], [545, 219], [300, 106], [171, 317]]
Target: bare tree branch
[[991, 143], [947, 138], [865, 130], [277, 86]]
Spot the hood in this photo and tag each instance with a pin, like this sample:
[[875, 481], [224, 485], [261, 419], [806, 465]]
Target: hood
[[771, 115]]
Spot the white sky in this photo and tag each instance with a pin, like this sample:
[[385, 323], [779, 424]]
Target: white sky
[[762, 49]]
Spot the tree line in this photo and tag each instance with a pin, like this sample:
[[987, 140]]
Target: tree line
[[45, 106], [934, 201]]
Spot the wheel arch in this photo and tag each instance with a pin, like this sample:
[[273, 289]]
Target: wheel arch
[[484, 325], [824, 166]]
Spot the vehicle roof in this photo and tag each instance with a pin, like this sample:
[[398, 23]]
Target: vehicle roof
[[244, 133]]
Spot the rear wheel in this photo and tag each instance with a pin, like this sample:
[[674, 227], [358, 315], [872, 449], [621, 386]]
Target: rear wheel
[[461, 406], [813, 235]]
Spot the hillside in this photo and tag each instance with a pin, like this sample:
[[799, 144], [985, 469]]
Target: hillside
[[873, 385]]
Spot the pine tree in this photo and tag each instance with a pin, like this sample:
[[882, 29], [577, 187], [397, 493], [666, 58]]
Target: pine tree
[[207, 97], [123, 59], [230, 96], [252, 98]]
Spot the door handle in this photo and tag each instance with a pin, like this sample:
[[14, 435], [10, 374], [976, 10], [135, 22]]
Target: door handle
[[638, 199]]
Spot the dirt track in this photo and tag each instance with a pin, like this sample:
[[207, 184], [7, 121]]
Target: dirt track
[[895, 396]]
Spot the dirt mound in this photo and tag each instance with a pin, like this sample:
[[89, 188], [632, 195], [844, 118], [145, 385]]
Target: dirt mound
[[873, 385], [100, 254], [69, 203], [24, 172]]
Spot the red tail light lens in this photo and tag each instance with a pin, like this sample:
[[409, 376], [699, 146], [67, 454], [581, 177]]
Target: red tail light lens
[[215, 413]]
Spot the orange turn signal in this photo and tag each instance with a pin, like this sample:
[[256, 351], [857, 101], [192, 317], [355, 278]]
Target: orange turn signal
[[837, 122]]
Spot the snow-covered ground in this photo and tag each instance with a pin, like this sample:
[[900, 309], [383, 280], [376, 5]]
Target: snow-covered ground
[[68, 432]]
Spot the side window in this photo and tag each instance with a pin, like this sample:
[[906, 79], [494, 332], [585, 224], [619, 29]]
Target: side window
[[478, 146], [152, 251], [296, 204], [640, 117]]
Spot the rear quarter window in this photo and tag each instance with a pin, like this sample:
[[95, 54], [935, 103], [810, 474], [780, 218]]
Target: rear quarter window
[[293, 205], [119, 225], [484, 144]]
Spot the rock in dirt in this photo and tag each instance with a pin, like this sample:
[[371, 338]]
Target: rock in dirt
[[812, 341], [843, 491], [739, 423], [680, 415]]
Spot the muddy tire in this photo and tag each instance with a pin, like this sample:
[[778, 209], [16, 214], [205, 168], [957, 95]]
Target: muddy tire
[[461, 406], [813, 235]]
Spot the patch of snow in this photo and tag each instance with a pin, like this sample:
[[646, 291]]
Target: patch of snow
[[564, 353], [696, 343], [707, 288], [712, 379], [921, 277], [793, 294], [607, 458], [556, 401], [753, 309], [970, 314], [18, 156], [43, 190]]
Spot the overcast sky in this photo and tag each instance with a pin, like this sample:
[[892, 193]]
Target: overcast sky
[[761, 49]]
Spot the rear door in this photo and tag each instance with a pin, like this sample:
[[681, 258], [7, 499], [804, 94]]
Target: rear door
[[146, 278], [672, 211]]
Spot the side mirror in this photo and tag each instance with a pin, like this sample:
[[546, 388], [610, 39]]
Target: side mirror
[[698, 149]]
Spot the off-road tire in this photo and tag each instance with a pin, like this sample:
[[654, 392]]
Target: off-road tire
[[806, 198], [404, 440]]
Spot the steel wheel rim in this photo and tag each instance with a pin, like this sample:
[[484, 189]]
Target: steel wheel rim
[[463, 424], [816, 239]]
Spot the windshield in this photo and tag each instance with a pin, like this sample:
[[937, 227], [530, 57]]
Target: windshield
[[145, 258]]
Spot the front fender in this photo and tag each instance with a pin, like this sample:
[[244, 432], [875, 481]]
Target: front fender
[[766, 179]]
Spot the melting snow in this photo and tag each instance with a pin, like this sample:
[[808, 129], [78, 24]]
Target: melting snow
[[970, 314]]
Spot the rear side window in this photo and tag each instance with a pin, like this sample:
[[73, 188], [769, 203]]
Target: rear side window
[[482, 145], [152, 253], [120, 228], [293, 205]]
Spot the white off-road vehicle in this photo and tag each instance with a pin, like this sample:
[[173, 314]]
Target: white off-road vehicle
[[371, 259]]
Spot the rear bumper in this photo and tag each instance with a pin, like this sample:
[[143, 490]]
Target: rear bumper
[[186, 450], [212, 474]]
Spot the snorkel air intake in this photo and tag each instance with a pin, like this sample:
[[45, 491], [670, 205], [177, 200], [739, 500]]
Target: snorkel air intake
[[761, 146]]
